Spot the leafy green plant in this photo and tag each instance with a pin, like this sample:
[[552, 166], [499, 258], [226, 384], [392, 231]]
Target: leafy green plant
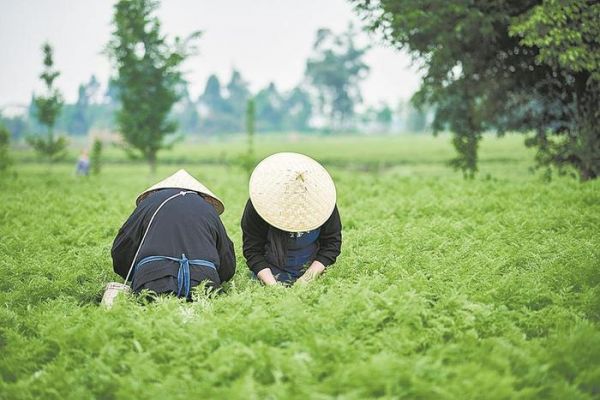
[[47, 109], [148, 76], [444, 289], [96, 157], [504, 66]]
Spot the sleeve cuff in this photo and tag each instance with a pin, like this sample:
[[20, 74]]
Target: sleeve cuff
[[259, 266], [323, 260]]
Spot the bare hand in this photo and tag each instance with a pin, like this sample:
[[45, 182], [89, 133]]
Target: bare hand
[[266, 276], [315, 269]]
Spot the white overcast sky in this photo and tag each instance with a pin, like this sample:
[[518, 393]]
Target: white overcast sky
[[266, 40]]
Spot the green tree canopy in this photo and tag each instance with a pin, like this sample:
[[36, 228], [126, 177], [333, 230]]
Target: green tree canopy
[[298, 109], [335, 70], [269, 108], [223, 108], [187, 113], [504, 65], [81, 118], [148, 75], [212, 95], [566, 34], [237, 97]]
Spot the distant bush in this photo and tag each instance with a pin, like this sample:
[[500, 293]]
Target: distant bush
[[52, 149], [96, 156], [5, 159]]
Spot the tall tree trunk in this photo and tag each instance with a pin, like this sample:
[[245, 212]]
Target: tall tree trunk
[[152, 162], [588, 132]]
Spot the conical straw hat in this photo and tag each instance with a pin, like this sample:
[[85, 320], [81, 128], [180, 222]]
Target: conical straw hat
[[183, 180], [292, 192]]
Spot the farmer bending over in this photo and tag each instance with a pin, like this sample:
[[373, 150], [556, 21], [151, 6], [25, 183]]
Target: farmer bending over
[[291, 226], [174, 239]]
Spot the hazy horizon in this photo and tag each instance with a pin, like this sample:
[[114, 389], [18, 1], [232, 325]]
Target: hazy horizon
[[265, 40]]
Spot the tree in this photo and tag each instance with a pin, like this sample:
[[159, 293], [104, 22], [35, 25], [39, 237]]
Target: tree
[[112, 96], [80, 121], [250, 122], [212, 95], [5, 160], [504, 65], [16, 125], [237, 93], [47, 109], [96, 157], [247, 160], [384, 117], [148, 75], [216, 114], [269, 108], [237, 98], [414, 119], [223, 110], [335, 71], [105, 110], [187, 115], [82, 115], [211, 104], [566, 36], [298, 110]]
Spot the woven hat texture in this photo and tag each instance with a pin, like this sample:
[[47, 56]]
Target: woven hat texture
[[183, 180], [292, 192]]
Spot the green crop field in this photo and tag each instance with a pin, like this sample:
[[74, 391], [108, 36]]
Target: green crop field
[[446, 288]]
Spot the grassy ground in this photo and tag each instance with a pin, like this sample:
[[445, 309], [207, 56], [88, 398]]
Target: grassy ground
[[357, 152], [446, 288]]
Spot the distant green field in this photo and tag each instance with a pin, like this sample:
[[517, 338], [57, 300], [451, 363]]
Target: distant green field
[[446, 288], [357, 152]]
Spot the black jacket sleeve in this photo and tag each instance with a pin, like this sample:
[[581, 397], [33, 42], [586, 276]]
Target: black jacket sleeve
[[127, 242], [226, 254], [254, 235], [330, 239]]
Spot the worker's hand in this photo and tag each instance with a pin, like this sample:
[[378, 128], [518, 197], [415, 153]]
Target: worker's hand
[[303, 280], [266, 277], [315, 269]]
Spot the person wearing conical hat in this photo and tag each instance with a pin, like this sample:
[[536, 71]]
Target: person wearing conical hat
[[291, 226], [174, 239]]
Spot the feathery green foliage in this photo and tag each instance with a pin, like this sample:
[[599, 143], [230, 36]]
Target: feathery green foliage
[[445, 289], [566, 32]]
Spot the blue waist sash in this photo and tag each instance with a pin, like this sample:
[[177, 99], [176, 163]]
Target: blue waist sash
[[183, 275]]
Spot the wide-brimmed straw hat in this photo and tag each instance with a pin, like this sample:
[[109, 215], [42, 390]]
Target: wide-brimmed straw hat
[[292, 192], [183, 180]]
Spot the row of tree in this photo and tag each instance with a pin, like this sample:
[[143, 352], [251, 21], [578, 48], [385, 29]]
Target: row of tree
[[327, 97], [217, 111]]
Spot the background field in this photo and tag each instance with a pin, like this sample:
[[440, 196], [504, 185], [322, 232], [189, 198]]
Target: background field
[[445, 288]]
